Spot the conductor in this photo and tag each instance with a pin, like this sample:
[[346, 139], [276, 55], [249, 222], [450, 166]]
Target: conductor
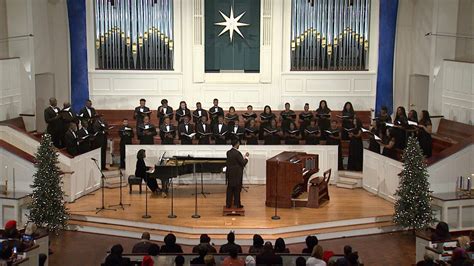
[[235, 167]]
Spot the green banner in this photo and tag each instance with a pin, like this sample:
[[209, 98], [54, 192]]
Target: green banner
[[232, 35]]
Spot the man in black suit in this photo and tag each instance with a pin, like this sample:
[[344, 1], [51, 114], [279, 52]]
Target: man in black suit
[[230, 245], [71, 141], [234, 173], [198, 113], [100, 129], [87, 113], [220, 131], [67, 117], [203, 129], [185, 129], [167, 132], [126, 136], [164, 111], [143, 245], [146, 132], [84, 138], [236, 131], [215, 111], [140, 112], [268, 256], [52, 118]]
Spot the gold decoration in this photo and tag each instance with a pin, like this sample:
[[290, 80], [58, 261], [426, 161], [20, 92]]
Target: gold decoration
[[293, 45], [128, 41], [171, 45], [323, 42], [97, 44], [134, 48], [140, 41]]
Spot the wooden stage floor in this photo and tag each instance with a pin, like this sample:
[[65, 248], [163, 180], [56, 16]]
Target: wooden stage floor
[[345, 204]]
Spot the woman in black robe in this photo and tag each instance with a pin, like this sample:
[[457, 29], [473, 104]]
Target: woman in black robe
[[231, 117], [265, 118], [334, 138], [400, 125], [323, 113], [312, 133], [424, 134], [390, 145], [347, 119], [356, 150], [305, 117], [272, 134], [251, 133], [292, 134], [141, 171]]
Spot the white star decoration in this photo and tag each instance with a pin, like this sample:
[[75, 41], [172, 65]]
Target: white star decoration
[[231, 24]]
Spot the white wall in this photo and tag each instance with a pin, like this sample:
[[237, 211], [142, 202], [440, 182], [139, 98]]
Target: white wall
[[274, 85], [24, 171], [465, 46]]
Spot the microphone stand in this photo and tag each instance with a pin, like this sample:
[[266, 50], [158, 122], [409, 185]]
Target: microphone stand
[[276, 217], [102, 208], [172, 215], [146, 215], [195, 215], [120, 205]]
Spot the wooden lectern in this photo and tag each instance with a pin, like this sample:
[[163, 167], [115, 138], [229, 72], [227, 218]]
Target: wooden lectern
[[289, 169]]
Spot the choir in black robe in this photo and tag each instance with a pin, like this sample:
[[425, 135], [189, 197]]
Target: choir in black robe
[[164, 112], [399, 131], [251, 135], [100, 141], [324, 120], [305, 118], [52, 118], [264, 123], [334, 138], [87, 114], [272, 136], [85, 138], [231, 118], [425, 140], [167, 134], [71, 142], [311, 135], [220, 136], [214, 113], [356, 151], [198, 113], [347, 117], [390, 152], [287, 117], [373, 144], [185, 129], [146, 134], [67, 117], [236, 132], [181, 113], [203, 133], [140, 113], [292, 137], [249, 116], [126, 135]]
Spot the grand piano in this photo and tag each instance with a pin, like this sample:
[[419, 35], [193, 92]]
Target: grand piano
[[288, 174]]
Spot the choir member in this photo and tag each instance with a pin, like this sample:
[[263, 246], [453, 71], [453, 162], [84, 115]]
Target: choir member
[[413, 116], [203, 131], [126, 135], [412, 128], [231, 117], [272, 134], [198, 113], [305, 117], [140, 112], [249, 115], [251, 133], [347, 119], [67, 117], [389, 145], [71, 140], [265, 118], [182, 112], [323, 113], [292, 134], [84, 137], [220, 131], [146, 132], [100, 129], [384, 117], [236, 131], [424, 133], [376, 129], [87, 113], [215, 111], [167, 132], [400, 124], [312, 133], [164, 110], [356, 149], [53, 119], [141, 170], [334, 138], [287, 116], [186, 131]]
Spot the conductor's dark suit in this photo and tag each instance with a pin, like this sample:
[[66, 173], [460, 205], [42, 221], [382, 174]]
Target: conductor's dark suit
[[52, 118], [235, 168]]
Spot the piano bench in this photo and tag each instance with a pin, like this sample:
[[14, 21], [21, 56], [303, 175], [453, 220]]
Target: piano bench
[[133, 180]]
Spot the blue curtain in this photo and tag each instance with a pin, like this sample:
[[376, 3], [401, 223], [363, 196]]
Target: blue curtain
[[387, 30], [78, 42]]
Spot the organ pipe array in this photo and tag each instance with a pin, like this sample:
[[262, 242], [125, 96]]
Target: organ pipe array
[[329, 35], [134, 34]]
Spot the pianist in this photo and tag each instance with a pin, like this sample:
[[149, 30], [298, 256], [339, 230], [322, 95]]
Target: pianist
[[142, 171]]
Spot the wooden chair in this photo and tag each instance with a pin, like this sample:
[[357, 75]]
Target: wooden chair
[[318, 191]]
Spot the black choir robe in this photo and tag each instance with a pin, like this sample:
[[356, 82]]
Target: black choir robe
[[236, 132], [251, 135], [181, 113], [197, 114], [162, 113], [53, 119], [67, 117], [287, 117], [100, 141], [214, 113], [220, 136], [87, 114], [146, 134], [126, 135], [203, 133], [140, 113], [185, 129], [84, 137], [334, 138], [167, 134], [71, 142]]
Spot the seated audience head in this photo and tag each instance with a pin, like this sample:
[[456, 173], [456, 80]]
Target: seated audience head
[[287, 106], [233, 253], [231, 109], [89, 103], [170, 240], [209, 260], [464, 242], [280, 245], [116, 250], [442, 231], [268, 247], [154, 250], [306, 107], [300, 261], [204, 239], [257, 240], [231, 237], [317, 252], [347, 250], [145, 236], [348, 107], [146, 120], [250, 261], [215, 102], [179, 260], [267, 109], [323, 105], [10, 230], [142, 102], [311, 242], [141, 154], [428, 258], [249, 108], [164, 102], [202, 251], [459, 255]]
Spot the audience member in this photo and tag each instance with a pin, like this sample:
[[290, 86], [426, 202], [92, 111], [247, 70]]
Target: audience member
[[428, 260], [280, 246], [268, 256], [316, 258], [209, 260], [441, 232], [232, 259], [205, 241], [152, 257], [311, 242], [5, 253], [170, 245], [230, 245], [464, 242], [460, 258], [199, 260], [257, 246], [250, 261], [179, 260], [143, 245], [300, 261], [115, 257]]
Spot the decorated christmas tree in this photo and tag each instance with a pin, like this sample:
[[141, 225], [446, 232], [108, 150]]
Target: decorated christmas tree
[[413, 206], [47, 208]]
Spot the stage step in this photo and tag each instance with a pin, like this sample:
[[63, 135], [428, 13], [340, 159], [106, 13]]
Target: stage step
[[347, 184], [385, 225], [349, 179]]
